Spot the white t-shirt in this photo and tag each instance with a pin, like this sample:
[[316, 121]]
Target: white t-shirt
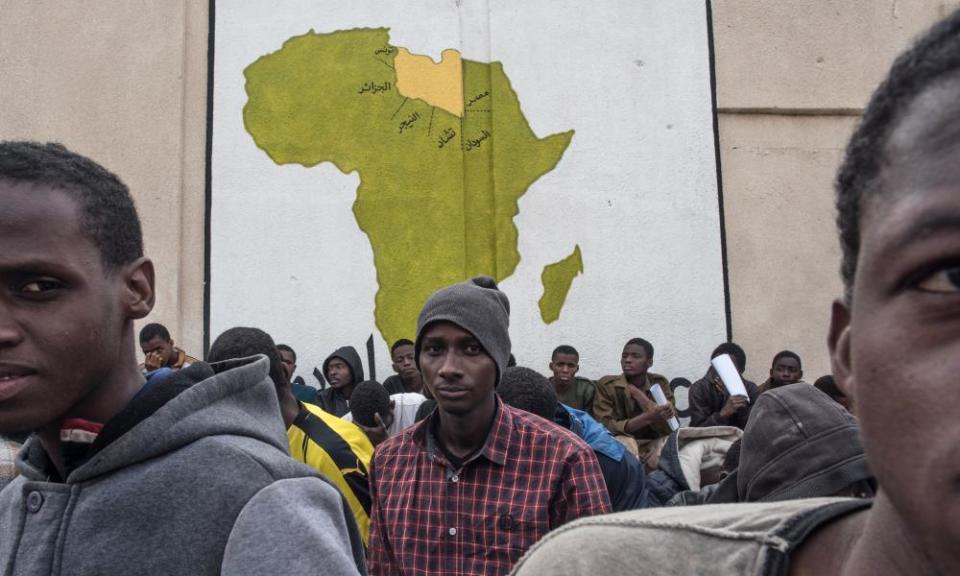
[[405, 408]]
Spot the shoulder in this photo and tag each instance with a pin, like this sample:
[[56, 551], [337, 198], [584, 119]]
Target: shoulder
[[539, 430], [402, 446], [658, 379], [722, 539], [347, 431], [609, 381]]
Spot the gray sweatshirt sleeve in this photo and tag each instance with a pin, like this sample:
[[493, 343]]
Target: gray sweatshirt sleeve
[[292, 527]]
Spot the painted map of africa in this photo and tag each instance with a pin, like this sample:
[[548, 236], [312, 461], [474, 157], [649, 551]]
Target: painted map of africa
[[442, 150]]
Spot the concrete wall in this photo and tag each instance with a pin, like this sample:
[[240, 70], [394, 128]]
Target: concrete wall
[[124, 82]]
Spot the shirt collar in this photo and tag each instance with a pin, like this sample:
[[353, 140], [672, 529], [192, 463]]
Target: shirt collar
[[494, 447]]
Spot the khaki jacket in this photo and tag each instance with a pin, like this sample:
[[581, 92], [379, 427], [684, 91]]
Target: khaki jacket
[[613, 405]]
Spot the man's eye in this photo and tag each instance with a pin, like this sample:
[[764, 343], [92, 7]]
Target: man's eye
[[41, 286], [473, 349], [431, 349], [942, 281]]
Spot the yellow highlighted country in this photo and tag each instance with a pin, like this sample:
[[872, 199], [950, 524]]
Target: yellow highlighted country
[[439, 85]]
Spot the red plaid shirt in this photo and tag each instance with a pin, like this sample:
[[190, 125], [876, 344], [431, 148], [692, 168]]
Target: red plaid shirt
[[429, 518]]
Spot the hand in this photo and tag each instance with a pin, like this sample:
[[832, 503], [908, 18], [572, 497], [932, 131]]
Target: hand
[[377, 433], [664, 412], [640, 398], [733, 405], [151, 361]]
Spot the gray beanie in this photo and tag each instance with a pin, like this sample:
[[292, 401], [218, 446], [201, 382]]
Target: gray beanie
[[478, 307]]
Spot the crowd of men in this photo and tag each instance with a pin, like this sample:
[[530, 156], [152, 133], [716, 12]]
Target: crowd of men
[[462, 463]]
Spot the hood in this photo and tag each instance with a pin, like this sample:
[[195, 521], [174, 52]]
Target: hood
[[349, 355], [235, 398], [798, 444]]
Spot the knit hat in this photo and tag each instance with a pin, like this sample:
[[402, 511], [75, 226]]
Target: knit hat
[[478, 307]]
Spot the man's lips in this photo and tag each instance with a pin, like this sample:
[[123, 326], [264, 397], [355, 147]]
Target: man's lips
[[13, 379], [451, 391]]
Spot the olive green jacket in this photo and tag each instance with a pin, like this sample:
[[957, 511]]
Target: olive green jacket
[[613, 406]]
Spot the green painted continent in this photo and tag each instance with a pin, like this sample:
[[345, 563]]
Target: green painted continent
[[557, 279], [437, 192]]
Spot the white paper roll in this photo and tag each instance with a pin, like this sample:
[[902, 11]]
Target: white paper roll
[[729, 375], [661, 399]]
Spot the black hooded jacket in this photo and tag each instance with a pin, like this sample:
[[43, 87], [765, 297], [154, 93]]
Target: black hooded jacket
[[799, 443], [330, 399]]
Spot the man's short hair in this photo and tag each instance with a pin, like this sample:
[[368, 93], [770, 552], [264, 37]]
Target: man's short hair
[[399, 343], [154, 330], [935, 57], [286, 348], [528, 390], [107, 213], [565, 349], [787, 354], [647, 347], [736, 353], [241, 342], [369, 398]]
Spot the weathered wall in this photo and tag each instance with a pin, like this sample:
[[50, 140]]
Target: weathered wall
[[125, 82]]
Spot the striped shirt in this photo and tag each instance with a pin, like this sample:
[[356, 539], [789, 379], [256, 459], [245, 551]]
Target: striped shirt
[[430, 517], [338, 450]]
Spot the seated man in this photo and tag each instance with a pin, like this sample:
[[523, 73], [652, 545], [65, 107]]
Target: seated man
[[711, 404], [895, 349], [301, 391], [828, 386], [623, 474], [332, 447], [343, 371], [626, 407], [381, 415], [407, 377], [159, 351], [785, 369], [571, 390], [470, 488], [190, 476]]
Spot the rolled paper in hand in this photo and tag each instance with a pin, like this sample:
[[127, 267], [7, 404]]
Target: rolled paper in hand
[[660, 398], [729, 375]]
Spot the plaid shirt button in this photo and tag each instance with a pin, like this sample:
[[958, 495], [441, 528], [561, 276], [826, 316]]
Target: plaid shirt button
[[455, 478], [452, 531]]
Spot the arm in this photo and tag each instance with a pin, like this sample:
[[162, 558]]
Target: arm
[[603, 409], [290, 526], [382, 560], [701, 412], [583, 491]]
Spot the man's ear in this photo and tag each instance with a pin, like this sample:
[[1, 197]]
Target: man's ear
[[800, 375], [138, 288], [393, 404], [839, 343]]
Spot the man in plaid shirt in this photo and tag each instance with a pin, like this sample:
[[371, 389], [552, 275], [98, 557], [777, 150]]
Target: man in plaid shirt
[[472, 487]]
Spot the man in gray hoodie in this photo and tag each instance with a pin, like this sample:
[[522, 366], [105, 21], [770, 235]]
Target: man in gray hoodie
[[187, 476]]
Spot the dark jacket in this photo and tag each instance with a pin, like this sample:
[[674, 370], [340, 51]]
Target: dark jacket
[[706, 399], [330, 399], [798, 444]]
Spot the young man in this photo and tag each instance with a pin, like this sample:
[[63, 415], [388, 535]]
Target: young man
[[573, 391], [470, 488], [343, 370], [381, 415], [625, 405], [785, 369], [301, 391], [711, 404], [623, 474], [895, 349], [332, 447], [407, 377], [186, 477], [159, 351]]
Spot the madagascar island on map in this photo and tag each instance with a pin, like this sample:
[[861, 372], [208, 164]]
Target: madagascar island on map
[[442, 150]]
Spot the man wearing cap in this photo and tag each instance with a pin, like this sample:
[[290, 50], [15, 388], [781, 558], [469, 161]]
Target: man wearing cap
[[472, 487]]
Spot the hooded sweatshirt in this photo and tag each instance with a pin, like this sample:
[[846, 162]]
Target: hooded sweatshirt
[[799, 443], [192, 477], [330, 399]]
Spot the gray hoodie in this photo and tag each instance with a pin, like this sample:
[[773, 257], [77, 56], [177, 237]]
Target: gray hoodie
[[201, 484]]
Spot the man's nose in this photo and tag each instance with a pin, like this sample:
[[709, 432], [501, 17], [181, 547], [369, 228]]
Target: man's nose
[[10, 333]]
